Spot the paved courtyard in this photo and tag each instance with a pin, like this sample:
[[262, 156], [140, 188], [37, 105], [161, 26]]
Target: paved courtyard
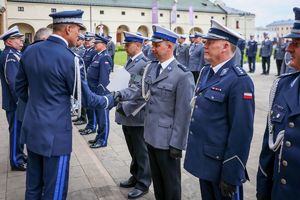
[[95, 174]]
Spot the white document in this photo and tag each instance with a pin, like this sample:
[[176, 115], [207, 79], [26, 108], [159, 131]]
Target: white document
[[119, 79]]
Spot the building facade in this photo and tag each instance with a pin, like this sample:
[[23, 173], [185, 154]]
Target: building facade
[[114, 17], [281, 27]]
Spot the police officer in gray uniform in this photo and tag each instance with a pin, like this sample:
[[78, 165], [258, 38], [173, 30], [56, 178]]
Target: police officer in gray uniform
[[279, 54], [181, 51], [79, 49], [196, 51], [111, 48], [167, 87], [265, 54], [133, 122]]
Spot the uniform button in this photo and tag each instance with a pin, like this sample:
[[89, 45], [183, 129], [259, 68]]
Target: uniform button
[[192, 119], [283, 181], [217, 157], [196, 106], [285, 163], [271, 112], [151, 102], [200, 93], [291, 124], [288, 143], [191, 133], [212, 97]]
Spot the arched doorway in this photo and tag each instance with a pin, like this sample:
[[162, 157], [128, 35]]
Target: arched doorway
[[178, 30], [195, 29], [143, 30], [101, 28], [26, 29], [120, 36]]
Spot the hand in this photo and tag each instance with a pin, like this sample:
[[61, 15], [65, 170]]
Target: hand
[[117, 97], [120, 110], [175, 153], [227, 189]]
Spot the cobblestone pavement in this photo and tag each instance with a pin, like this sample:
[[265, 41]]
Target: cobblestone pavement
[[95, 174]]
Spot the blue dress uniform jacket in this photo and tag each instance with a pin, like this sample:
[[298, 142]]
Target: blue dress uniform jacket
[[88, 56], [251, 48], [168, 107], [47, 127], [196, 60], [278, 174], [9, 65], [136, 69], [181, 53], [266, 48], [221, 126], [98, 73]]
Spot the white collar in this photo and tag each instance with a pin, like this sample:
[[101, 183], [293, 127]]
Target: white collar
[[218, 66], [166, 63], [63, 39], [137, 55]]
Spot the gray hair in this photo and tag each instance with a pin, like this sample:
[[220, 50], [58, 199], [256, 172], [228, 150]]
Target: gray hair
[[42, 34]]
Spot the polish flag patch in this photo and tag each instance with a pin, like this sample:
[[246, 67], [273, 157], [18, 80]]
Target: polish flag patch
[[248, 95]]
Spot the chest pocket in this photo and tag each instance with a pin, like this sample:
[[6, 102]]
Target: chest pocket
[[214, 96], [166, 90], [277, 113]]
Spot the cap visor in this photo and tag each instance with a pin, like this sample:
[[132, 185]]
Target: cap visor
[[156, 40], [82, 27], [292, 35]]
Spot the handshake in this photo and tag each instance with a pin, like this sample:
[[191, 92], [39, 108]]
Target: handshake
[[116, 95]]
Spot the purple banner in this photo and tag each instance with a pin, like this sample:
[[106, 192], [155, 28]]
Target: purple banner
[[154, 11], [191, 16], [174, 14]]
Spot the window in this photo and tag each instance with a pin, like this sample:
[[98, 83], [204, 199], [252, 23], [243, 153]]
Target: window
[[287, 28], [196, 16], [161, 14], [101, 12], [123, 12], [142, 14], [212, 17], [21, 9], [237, 24], [223, 18], [53, 10], [178, 16]]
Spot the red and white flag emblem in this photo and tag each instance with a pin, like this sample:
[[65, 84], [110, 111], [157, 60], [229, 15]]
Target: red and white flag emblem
[[247, 95]]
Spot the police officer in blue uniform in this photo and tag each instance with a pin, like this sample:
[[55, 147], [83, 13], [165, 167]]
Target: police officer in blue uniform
[[241, 45], [131, 118], [9, 65], [181, 51], [167, 87], [221, 125], [278, 173], [265, 54], [52, 73], [251, 50], [98, 79], [87, 113], [196, 52]]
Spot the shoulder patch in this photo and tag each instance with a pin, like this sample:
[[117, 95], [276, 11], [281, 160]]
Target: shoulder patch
[[182, 67], [239, 71]]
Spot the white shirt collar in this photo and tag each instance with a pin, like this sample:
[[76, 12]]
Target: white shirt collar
[[217, 67], [166, 63], [137, 55], [63, 39]]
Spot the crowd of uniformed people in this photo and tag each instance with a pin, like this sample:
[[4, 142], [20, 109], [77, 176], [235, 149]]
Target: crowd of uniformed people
[[163, 111]]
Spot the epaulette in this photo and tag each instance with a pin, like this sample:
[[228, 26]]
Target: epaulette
[[182, 67], [144, 58], [239, 71]]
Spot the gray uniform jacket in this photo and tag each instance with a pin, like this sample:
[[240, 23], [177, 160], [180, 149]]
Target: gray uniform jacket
[[136, 69], [79, 50], [111, 48], [168, 108], [266, 48], [196, 60], [280, 51], [181, 53]]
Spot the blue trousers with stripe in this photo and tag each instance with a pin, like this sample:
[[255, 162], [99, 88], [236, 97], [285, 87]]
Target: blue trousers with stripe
[[211, 191], [47, 177], [92, 123], [17, 156], [102, 118]]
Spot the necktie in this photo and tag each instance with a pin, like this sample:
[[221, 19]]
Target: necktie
[[129, 61], [158, 70], [211, 73]]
